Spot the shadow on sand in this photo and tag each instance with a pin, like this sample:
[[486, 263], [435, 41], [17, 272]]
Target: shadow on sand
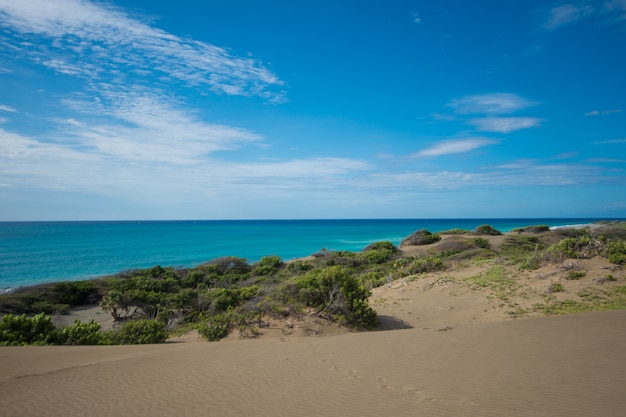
[[392, 323]]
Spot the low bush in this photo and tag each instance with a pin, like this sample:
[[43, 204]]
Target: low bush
[[421, 237], [423, 265], [481, 242], [486, 230], [24, 330], [82, 334], [139, 332], [215, 327], [616, 251]]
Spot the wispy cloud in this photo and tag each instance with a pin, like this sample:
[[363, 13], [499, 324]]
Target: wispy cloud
[[504, 124], [7, 108], [97, 41], [610, 142], [602, 112], [454, 146], [493, 103], [565, 15], [416, 17]]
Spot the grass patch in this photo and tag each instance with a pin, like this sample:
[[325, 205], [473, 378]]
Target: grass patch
[[591, 300], [496, 280]]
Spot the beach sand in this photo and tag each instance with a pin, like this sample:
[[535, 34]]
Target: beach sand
[[446, 348], [556, 366]]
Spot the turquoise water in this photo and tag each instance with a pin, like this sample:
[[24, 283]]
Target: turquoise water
[[39, 252]]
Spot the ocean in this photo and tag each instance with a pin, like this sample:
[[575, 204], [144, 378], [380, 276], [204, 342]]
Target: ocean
[[40, 252]]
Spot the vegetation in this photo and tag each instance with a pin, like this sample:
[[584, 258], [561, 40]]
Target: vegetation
[[421, 237], [228, 294], [486, 230], [39, 330]]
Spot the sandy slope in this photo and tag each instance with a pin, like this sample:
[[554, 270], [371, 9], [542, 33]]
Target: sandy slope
[[557, 366]]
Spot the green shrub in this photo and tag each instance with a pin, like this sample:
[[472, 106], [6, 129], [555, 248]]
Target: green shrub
[[481, 242], [555, 287], [575, 275], [616, 251], [215, 328], [377, 256], [572, 247], [74, 293], [423, 265], [140, 332], [455, 232], [421, 237], [533, 229], [23, 330], [268, 265], [339, 294], [487, 230], [382, 245], [82, 334]]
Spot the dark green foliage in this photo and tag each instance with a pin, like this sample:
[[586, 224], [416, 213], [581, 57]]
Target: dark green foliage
[[268, 265], [575, 275], [486, 230], [481, 243], [215, 328], [616, 251], [555, 287], [421, 237], [338, 294], [298, 267], [74, 293], [139, 332], [455, 232], [379, 252], [382, 245], [533, 229]]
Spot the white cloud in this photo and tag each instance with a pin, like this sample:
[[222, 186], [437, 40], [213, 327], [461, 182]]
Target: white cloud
[[493, 103], [602, 112], [610, 142], [95, 41], [454, 146], [7, 108], [565, 15], [416, 18], [147, 126], [504, 124]]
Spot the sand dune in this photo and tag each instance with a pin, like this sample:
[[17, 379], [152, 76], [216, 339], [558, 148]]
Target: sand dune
[[556, 366]]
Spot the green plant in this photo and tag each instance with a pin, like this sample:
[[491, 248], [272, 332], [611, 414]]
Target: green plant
[[555, 287], [616, 251], [481, 243], [496, 279], [423, 265], [138, 332], [268, 265], [23, 330], [82, 334], [421, 237], [575, 275], [216, 327], [338, 294], [486, 229]]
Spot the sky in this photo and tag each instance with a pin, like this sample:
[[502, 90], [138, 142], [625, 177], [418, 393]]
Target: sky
[[154, 109]]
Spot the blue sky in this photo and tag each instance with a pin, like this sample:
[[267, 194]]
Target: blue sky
[[328, 109]]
